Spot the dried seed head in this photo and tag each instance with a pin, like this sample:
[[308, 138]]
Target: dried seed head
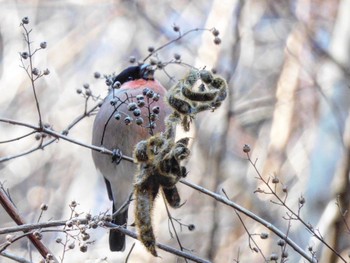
[[88, 92], [69, 223], [44, 207], [264, 235], [73, 203], [35, 71], [281, 242], [217, 41], [273, 256], [97, 75], [116, 85], [141, 103], [109, 81], [25, 20], [85, 236], [132, 59], [71, 245], [86, 85], [275, 180], [113, 101], [215, 32], [150, 93], [152, 125], [46, 72], [145, 91], [24, 55], [117, 116], [153, 61], [132, 106], [156, 109], [177, 56], [137, 112], [127, 120], [37, 136], [150, 49], [83, 248], [302, 200], [176, 28], [140, 97], [191, 227], [43, 44], [285, 254], [156, 96], [160, 65], [246, 148], [139, 121]]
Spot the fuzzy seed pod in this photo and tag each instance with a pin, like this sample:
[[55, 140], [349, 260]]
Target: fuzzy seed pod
[[140, 152], [206, 76], [179, 105], [198, 96], [145, 194]]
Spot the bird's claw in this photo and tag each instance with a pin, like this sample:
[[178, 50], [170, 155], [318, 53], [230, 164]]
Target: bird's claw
[[117, 156]]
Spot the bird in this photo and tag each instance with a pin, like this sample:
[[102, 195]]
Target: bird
[[120, 135]]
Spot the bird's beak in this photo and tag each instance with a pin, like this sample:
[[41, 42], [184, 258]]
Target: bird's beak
[[147, 72]]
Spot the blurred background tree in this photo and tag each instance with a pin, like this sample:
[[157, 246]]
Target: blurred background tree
[[287, 66]]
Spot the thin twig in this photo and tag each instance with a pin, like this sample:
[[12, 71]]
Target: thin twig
[[253, 216]]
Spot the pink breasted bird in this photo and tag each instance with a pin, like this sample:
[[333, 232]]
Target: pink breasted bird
[[119, 126]]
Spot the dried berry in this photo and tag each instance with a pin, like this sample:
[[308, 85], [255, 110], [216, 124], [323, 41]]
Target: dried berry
[[43, 45], [177, 56], [246, 148], [273, 256], [217, 41], [264, 235], [156, 96], [35, 71], [132, 106], [44, 207], [139, 121], [176, 28], [137, 112], [156, 109], [46, 71], [83, 248], [97, 75], [191, 227], [132, 59], [25, 20], [117, 116], [281, 242], [141, 103], [215, 32], [24, 55], [127, 120]]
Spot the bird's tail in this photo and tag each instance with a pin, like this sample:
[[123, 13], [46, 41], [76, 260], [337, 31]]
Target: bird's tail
[[116, 238]]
